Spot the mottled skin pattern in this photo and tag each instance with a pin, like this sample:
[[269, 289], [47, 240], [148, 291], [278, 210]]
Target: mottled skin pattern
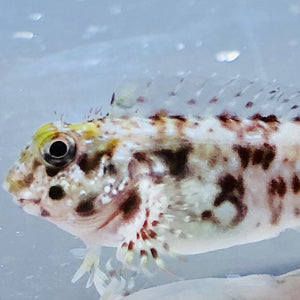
[[163, 184]]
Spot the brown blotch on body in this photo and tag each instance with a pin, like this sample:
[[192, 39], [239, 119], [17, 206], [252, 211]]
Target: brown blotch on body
[[232, 190], [206, 215], [268, 119], [176, 160], [244, 154], [86, 207], [296, 184], [270, 152], [227, 117], [88, 163], [258, 155], [131, 205], [277, 187], [159, 115], [264, 155]]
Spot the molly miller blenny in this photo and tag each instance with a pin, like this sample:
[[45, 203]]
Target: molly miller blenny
[[165, 183]]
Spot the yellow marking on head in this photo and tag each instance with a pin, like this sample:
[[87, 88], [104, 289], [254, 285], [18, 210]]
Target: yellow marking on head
[[24, 156], [89, 130], [14, 185], [43, 133], [111, 145]]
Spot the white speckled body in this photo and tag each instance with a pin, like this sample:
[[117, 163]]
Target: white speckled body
[[163, 184]]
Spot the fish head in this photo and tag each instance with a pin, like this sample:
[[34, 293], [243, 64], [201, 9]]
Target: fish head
[[66, 176]]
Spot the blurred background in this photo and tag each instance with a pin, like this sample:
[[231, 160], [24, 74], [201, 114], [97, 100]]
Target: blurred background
[[64, 58]]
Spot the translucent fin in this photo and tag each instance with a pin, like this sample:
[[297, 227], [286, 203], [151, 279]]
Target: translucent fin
[[79, 253], [90, 265], [114, 290]]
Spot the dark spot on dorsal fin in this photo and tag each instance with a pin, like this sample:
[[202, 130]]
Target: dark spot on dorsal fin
[[268, 119], [176, 160], [249, 104], [141, 99], [131, 204], [213, 100], [296, 119], [191, 101]]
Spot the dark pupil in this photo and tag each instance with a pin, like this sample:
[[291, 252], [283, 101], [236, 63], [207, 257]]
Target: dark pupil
[[58, 149]]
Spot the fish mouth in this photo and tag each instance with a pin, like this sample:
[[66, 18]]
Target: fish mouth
[[24, 201], [30, 206]]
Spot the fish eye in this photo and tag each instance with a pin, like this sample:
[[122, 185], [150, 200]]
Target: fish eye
[[58, 149], [59, 152]]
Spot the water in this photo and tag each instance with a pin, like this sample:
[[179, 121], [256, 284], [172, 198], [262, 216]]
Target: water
[[70, 56]]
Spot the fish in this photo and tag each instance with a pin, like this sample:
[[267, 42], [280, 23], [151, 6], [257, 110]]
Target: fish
[[262, 287], [152, 180]]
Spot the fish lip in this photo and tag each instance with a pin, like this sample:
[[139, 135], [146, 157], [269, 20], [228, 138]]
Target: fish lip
[[23, 201]]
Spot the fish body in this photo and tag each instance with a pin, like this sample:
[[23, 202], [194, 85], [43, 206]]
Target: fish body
[[262, 287], [162, 184], [170, 179]]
